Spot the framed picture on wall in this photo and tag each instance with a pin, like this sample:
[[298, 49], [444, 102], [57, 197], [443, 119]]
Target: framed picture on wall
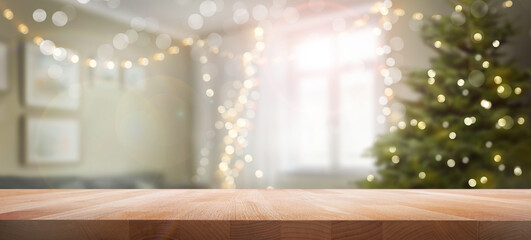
[[135, 78], [3, 66], [106, 75], [51, 81], [51, 141]]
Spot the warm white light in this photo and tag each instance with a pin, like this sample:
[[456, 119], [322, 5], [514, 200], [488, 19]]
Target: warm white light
[[22, 28], [206, 77], [521, 120], [158, 56], [188, 41], [392, 149], [486, 104], [517, 171], [472, 182], [441, 98], [370, 178], [127, 64], [37, 40], [173, 50], [395, 159], [478, 36], [417, 16], [92, 63], [109, 65], [498, 79], [248, 158], [483, 179], [209, 92], [421, 125], [431, 73], [74, 58], [452, 135], [8, 14], [450, 163], [229, 149], [468, 121], [143, 61], [223, 166], [59, 54]]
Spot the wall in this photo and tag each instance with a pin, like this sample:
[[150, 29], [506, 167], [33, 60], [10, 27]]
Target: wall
[[109, 118]]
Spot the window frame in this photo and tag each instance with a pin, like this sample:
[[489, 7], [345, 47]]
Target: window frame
[[333, 73]]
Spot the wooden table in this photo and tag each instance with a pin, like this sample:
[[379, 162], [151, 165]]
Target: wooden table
[[265, 214]]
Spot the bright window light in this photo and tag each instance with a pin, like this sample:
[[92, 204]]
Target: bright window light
[[356, 119], [314, 53], [334, 84], [356, 46]]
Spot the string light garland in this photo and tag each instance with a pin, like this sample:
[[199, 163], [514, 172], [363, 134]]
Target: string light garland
[[39, 15]]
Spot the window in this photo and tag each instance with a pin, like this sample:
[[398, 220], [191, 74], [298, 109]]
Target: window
[[334, 90]]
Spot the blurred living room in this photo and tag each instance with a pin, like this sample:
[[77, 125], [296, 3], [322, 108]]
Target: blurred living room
[[264, 94], [265, 119]]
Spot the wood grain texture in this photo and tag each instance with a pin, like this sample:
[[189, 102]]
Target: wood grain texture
[[153, 229], [255, 230], [505, 230], [306, 230], [419, 230], [203, 229], [64, 229], [357, 230], [265, 214]]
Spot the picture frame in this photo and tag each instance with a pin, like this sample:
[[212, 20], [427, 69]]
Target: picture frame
[[3, 66], [51, 141], [50, 83]]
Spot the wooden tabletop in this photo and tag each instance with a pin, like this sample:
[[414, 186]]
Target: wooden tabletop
[[269, 214]]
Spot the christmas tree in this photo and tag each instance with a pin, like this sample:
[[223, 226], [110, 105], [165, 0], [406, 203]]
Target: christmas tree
[[469, 128]]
